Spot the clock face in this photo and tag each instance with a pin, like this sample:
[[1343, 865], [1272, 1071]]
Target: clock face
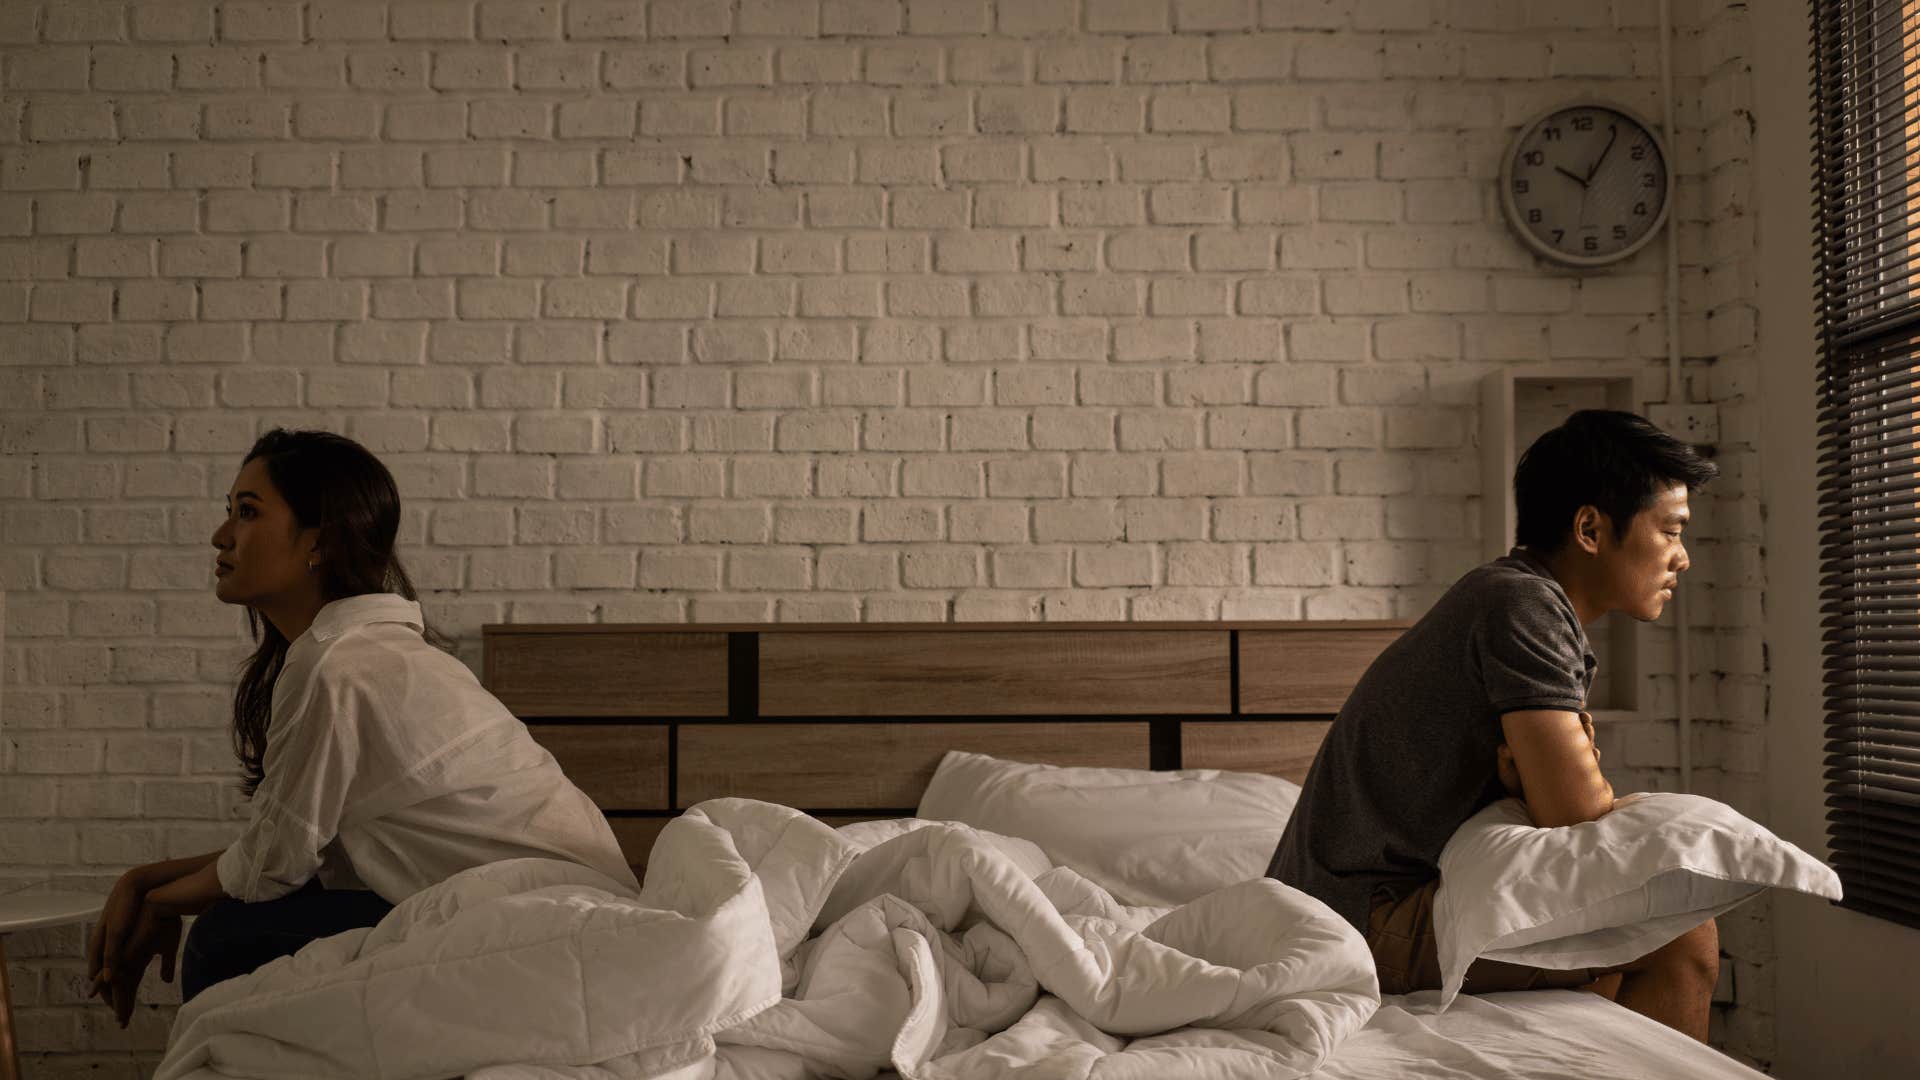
[[1587, 184]]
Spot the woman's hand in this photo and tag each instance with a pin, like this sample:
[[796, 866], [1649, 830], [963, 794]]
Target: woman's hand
[[109, 946], [111, 929], [144, 922], [151, 935]]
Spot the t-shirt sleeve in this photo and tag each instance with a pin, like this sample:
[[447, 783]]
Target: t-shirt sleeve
[[1531, 653], [311, 758]]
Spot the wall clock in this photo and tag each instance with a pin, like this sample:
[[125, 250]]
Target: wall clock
[[1586, 183]]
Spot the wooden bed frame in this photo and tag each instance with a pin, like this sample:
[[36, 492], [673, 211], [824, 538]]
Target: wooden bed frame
[[848, 721]]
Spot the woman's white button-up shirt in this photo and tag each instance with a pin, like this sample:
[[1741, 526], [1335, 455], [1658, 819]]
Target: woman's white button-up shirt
[[389, 767]]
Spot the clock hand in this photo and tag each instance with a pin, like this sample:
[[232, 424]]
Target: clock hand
[[1571, 176], [1613, 132]]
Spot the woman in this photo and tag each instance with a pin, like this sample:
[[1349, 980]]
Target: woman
[[375, 763]]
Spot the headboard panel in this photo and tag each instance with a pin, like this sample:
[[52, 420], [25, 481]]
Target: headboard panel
[[848, 721], [936, 672]]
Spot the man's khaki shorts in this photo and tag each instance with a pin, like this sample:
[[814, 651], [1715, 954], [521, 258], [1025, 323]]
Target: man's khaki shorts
[[1405, 951]]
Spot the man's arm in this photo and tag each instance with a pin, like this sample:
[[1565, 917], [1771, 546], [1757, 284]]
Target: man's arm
[[1559, 767]]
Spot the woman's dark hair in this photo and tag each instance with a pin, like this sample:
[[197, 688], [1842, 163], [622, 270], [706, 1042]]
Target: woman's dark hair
[[331, 483], [1613, 461]]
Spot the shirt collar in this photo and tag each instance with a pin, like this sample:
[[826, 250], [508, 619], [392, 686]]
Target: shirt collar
[[1530, 560], [348, 612], [1535, 564]]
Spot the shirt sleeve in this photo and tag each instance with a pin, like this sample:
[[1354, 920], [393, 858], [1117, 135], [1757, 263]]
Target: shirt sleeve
[[311, 758], [1532, 654]]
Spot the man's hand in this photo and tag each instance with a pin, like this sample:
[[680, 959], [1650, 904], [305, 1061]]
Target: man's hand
[[1509, 772]]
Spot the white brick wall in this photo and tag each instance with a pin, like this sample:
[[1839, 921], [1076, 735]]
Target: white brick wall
[[795, 310], [1728, 684]]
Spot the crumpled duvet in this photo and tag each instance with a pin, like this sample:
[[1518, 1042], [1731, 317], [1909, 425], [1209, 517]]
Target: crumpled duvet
[[765, 945]]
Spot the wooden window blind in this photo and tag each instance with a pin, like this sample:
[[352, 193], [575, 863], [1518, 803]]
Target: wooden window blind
[[1866, 101]]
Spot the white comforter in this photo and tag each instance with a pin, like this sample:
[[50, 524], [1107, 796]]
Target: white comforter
[[765, 945]]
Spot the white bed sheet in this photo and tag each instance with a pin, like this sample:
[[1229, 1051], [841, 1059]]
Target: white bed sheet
[[1530, 1035]]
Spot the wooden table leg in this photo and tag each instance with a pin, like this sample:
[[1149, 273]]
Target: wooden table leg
[[9, 1053]]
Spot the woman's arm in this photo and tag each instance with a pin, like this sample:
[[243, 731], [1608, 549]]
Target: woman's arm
[[190, 893], [153, 875], [311, 758]]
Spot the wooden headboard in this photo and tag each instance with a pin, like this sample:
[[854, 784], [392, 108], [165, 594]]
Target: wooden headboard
[[848, 721]]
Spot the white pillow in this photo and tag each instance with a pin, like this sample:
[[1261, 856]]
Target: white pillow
[[1602, 892], [1150, 838]]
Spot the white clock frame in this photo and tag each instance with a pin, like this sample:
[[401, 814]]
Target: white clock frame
[[1548, 251]]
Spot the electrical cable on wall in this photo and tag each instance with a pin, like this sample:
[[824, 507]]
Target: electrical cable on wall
[[1681, 658]]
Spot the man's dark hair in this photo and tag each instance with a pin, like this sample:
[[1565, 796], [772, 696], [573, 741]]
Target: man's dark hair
[[1613, 461]]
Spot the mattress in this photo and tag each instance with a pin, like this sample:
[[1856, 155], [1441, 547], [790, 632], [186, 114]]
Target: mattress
[[1529, 1035]]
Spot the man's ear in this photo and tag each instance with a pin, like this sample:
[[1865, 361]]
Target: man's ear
[[1588, 526]]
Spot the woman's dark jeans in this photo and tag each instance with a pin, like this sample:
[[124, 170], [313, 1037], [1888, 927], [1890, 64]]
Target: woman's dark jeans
[[234, 937]]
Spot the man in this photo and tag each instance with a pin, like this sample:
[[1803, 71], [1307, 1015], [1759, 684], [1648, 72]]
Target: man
[[1486, 696]]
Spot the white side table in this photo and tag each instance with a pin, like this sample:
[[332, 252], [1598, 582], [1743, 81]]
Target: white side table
[[31, 911]]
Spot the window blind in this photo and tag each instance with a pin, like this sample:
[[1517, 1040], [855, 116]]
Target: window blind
[[1866, 102]]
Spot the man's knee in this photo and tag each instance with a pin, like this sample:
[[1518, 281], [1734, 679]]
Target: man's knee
[[1694, 955], [1700, 951]]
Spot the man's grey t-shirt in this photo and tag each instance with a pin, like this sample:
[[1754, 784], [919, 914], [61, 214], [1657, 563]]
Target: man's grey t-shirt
[[1411, 754]]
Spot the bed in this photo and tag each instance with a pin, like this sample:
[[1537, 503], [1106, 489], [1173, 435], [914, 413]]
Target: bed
[[848, 724]]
